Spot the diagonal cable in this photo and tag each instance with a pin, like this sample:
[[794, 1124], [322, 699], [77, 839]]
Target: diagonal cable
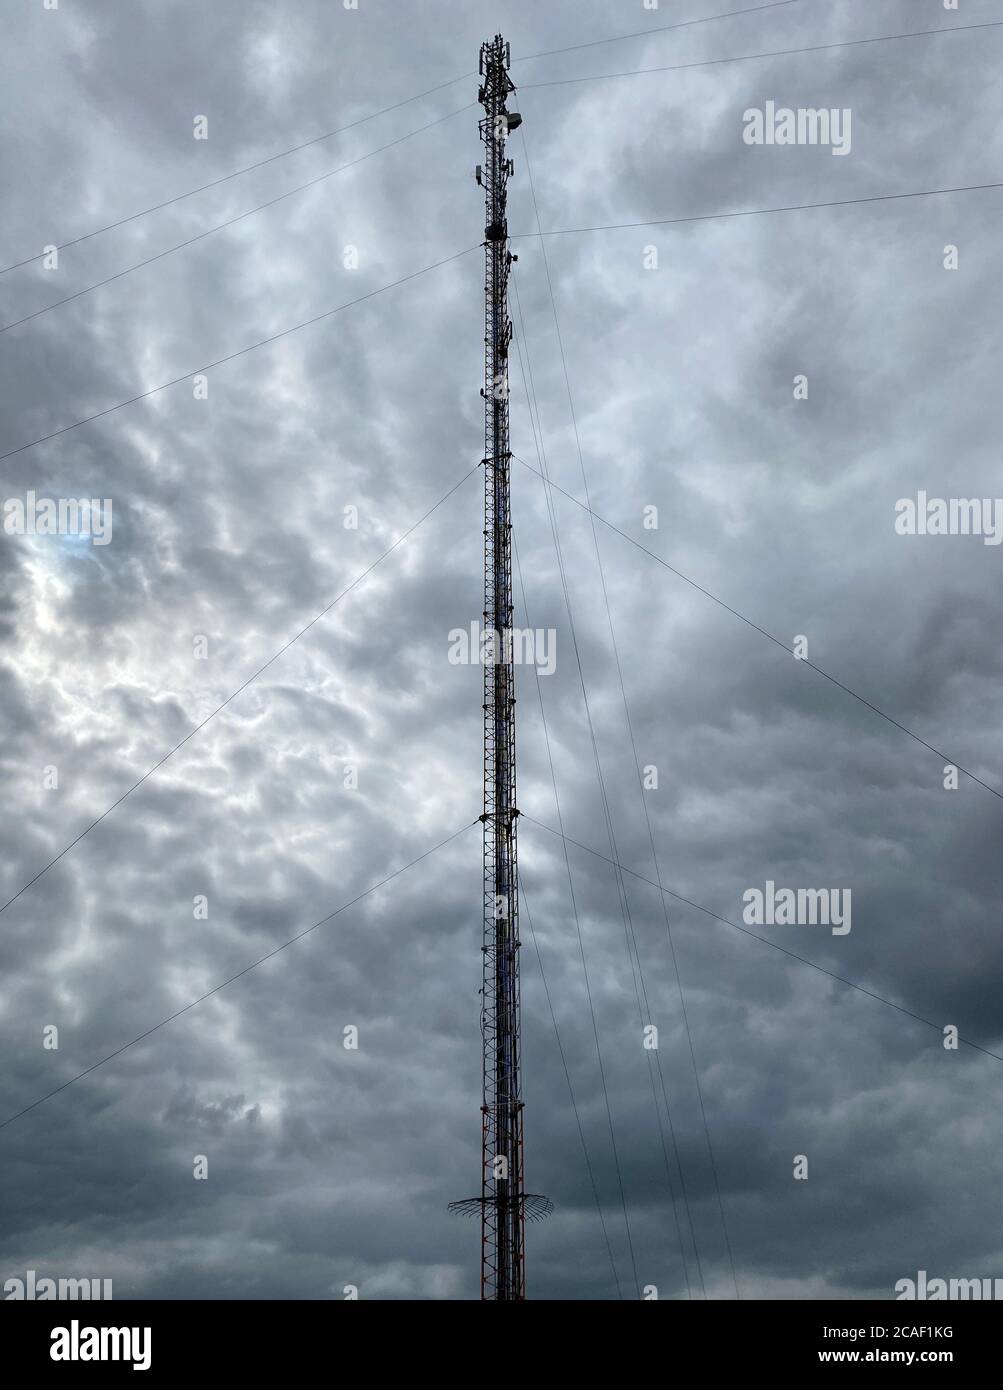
[[622, 901], [395, 106], [630, 728], [241, 352], [803, 960], [225, 178], [661, 29], [209, 231], [240, 689], [763, 631], [239, 975], [773, 53], [571, 1090], [761, 212]]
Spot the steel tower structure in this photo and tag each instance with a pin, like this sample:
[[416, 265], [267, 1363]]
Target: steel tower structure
[[502, 1225], [503, 1204]]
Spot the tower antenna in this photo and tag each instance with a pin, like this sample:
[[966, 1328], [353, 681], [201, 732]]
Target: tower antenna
[[503, 1205]]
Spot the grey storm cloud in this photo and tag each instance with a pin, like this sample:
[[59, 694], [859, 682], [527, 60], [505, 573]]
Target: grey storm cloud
[[328, 1166]]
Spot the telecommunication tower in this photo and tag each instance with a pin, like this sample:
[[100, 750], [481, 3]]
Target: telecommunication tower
[[503, 1205]]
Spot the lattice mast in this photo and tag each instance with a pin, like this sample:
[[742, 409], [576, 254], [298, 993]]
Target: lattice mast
[[503, 1204], [503, 1275], [502, 1216]]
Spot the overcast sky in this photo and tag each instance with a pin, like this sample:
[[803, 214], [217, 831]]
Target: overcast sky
[[329, 1166]]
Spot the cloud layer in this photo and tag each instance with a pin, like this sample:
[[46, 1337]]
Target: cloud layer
[[330, 1166]]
